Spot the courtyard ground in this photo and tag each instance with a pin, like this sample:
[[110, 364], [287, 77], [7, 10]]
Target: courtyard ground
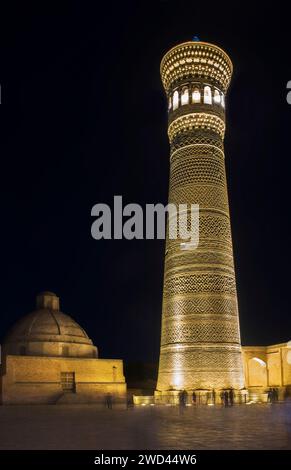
[[256, 426]]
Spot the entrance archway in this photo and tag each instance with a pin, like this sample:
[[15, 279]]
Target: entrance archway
[[257, 373]]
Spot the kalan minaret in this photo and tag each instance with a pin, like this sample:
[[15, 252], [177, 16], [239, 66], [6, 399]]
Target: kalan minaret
[[200, 341]]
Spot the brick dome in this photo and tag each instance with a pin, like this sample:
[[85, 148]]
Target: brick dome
[[48, 332]]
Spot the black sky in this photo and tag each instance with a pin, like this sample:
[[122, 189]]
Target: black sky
[[83, 118]]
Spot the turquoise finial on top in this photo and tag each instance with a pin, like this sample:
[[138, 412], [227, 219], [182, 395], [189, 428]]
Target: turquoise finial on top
[[195, 39]]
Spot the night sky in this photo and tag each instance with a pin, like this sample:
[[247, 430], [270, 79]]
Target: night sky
[[84, 118]]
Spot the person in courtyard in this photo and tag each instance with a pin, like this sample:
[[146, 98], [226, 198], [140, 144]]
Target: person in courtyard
[[213, 397], [276, 394], [194, 398], [109, 401], [181, 401], [222, 398], [180, 396], [184, 397], [226, 398], [273, 395], [231, 397]]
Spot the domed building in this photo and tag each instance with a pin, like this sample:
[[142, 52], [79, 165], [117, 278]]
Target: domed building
[[48, 358], [48, 332]]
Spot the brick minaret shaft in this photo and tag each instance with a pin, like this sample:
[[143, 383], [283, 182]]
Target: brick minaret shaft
[[200, 342]]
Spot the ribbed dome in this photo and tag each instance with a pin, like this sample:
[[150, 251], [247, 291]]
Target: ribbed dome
[[48, 331], [45, 324]]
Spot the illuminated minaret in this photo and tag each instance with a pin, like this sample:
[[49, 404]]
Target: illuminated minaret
[[200, 343]]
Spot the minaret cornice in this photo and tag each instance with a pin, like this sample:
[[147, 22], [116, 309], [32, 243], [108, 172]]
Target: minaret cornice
[[200, 60]]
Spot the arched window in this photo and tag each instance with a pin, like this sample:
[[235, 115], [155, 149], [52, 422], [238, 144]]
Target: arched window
[[207, 95], [170, 102], [175, 99], [185, 96], [196, 96], [222, 100], [216, 97]]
